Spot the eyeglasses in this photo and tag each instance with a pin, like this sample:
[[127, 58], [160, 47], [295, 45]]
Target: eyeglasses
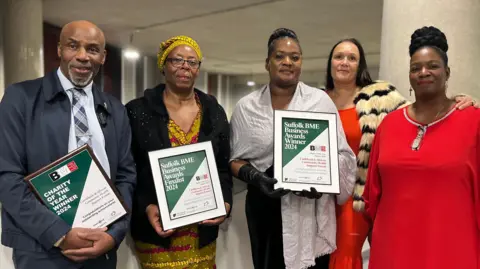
[[178, 62]]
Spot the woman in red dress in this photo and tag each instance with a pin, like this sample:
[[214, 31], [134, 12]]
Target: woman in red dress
[[423, 189], [359, 99]]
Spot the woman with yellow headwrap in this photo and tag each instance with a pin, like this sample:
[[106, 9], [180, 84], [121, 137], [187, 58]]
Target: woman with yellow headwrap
[[170, 115]]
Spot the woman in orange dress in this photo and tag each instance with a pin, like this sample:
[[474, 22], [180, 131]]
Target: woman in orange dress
[[362, 105], [352, 227], [170, 115]]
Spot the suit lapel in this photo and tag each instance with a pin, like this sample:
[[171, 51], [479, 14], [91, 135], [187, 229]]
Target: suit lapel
[[64, 121], [57, 124], [104, 117], [103, 110]]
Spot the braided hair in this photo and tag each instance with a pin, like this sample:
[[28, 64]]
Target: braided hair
[[429, 37], [281, 33]]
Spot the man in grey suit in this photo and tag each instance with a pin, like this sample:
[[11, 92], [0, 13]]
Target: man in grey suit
[[42, 120]]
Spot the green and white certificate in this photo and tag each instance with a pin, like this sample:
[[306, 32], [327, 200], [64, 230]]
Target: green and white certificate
[[306, 151], [77, 189], [187, 184]]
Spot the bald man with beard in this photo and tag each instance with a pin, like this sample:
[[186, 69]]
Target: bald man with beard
[[39, 122]]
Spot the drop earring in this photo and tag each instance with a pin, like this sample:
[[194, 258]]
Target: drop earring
[[411, 91]]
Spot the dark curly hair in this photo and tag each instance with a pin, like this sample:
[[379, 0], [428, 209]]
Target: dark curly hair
[[363, 76], [281, 33], [429, 37]]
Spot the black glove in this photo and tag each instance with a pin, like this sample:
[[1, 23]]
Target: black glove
[[264, 183], [312, 194]]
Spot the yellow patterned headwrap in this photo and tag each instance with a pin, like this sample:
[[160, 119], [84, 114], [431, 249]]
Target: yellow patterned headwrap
[[167, 47]]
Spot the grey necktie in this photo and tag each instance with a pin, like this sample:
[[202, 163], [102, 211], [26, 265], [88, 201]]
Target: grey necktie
[[82, 132]]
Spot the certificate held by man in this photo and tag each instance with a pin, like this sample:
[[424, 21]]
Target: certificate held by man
[[306, 152], [77, 189], [187, 184]]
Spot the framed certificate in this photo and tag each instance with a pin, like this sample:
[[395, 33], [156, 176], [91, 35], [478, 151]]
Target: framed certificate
[[187, 184], [306, 151], [76, 188]]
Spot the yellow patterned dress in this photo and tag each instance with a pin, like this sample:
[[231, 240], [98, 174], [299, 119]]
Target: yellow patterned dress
[[184, 250]]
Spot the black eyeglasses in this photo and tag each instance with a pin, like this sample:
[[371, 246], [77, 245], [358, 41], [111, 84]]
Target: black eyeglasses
[[178, 62]]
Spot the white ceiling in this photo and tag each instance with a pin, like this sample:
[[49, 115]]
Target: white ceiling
[[232, 34]]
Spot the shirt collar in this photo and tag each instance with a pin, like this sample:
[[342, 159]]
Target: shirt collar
[[67, 84]]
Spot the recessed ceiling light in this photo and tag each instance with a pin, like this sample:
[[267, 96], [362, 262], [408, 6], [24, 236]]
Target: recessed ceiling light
[[131, 54]]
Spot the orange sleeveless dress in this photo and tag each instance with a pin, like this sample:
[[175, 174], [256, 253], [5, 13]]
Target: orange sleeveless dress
[[352, 227]]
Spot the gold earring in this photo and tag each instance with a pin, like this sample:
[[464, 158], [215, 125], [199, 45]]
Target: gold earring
[[446, 84]]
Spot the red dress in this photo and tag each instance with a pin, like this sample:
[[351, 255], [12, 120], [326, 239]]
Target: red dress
[[425, 204], [352, 227]]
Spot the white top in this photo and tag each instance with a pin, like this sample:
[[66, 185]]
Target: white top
[[309, 226], [98, 140]]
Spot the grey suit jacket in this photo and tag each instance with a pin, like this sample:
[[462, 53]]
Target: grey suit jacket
[[35, 119]]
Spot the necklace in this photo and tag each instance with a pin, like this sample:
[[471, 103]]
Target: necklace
[[422, 129]]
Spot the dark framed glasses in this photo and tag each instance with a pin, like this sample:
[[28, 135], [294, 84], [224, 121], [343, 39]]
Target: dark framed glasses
[[179, 62]]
